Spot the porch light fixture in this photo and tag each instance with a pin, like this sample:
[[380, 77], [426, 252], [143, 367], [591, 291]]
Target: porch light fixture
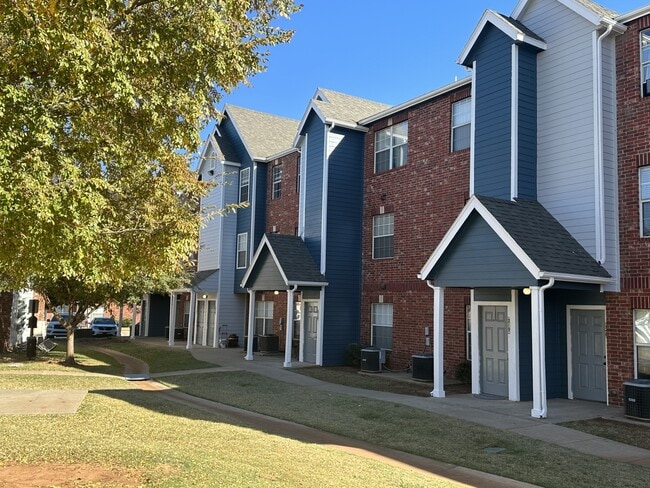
[[204, 296], [526, 291], [276, 292]]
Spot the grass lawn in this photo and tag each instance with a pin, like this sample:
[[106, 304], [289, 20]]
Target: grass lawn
[[634, 434]]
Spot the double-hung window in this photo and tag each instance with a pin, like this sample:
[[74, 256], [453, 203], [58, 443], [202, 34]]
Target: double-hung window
[[645, 62], [642, 343], [277, 182], [461, 119], [244, 184], [391, 147], [382, 325], [242, 250], [263, 318], [644, 200], [383, 228]]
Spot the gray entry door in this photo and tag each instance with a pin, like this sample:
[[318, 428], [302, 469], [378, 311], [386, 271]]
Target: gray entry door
[[588, 380], [311, 331], [494, 347]]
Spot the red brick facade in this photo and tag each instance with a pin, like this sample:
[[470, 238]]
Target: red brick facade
[[425, 197], [282, 212], [633, 113]]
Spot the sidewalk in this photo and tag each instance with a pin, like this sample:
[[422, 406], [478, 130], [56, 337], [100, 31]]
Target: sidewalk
[[500, 414]]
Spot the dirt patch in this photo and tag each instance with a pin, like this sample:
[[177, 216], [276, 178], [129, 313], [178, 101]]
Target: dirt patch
[[66, 476]]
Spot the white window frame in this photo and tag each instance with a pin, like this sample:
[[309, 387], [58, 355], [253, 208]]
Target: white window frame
[[396, 141], [242, 250], [641, 319], [244, 182], [381, 319], [456, 125], [644, 45], [376, 236], [644, 198], [264, 312], [276, 182]]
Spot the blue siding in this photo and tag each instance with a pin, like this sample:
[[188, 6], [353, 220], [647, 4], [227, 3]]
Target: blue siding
[[343, 258], [314, 129], [477, 257], [527, 129], [243, 214], [493, 77], [525, 348]]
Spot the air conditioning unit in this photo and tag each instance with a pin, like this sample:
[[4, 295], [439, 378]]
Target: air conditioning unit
[[637, 399], [422, 367], [370, 361]]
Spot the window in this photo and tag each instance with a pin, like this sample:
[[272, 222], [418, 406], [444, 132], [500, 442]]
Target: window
[[642, 343], [277, 182], [644, 197], [242, 250], [391, 147], [382, 236], [244, 184], [461, 118], [263, 318], [382, 325], [645, 62]]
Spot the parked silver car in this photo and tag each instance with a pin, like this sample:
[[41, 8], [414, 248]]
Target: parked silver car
[[103, 326]]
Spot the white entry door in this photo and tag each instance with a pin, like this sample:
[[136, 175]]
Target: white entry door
[[311, 318], [494, 348]]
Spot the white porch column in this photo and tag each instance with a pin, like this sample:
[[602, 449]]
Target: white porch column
[[190, 326], [251, 325], [288, 343], [438, 342], [172, 318], [538, 401]]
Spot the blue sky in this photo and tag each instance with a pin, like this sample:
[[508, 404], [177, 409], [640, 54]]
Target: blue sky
[[382, 50]]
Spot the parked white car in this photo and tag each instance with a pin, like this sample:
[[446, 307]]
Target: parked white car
[[103, 326], [55, 329]]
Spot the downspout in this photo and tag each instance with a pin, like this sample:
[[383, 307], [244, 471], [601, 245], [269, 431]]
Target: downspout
[[542, 344], [599, 189]]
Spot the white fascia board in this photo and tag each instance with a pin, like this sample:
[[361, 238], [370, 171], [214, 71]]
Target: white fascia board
[[308, 283], [346, 125], [241, 138], [263, 243], [490, 16], [582, 10], [597, 280], [474, 204], [416, 101], [281, 154], [303, 120], [634, 14], [209, 141], [231, 163]]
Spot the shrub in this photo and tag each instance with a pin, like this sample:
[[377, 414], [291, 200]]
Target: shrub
[[353, 355], [464, 371]]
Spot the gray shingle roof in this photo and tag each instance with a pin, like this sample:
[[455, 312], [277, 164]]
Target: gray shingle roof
[[264, 134], [597, 8], [551, 247], [294, 259], [519, 26], [346, 108]]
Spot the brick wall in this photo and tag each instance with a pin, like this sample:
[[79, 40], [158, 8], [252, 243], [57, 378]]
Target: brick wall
[[633, 112], [425, 196], [282, 213]]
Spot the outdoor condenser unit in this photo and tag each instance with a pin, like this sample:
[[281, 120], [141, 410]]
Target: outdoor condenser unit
[[637, 399], [370, 361]]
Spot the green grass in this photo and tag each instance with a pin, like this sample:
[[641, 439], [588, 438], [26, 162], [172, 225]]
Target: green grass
[[634, 434], [159, 359], [412, 430], [163, 444]]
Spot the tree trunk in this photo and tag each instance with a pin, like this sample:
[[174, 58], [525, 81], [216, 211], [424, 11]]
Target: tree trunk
[[6, 301], [69, 354]]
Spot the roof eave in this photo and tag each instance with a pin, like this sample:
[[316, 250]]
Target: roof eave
[[633, 15], [596, 280], [308, 283], [415, 101]]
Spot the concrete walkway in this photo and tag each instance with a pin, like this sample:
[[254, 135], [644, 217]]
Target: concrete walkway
[[500, 414]]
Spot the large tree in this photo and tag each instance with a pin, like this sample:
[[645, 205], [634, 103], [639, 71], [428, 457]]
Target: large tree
[[101, 104]]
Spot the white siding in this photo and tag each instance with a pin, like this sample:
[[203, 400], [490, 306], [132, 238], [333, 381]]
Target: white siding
[[565, 117]]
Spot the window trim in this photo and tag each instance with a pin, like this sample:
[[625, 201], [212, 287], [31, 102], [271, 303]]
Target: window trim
[[643, 200], [391, 148], [373, 324], [637, 346], [276, 182], [643, 64], [242, 239], [242, 172], [268, 321], [375, 236], [467, 100]]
